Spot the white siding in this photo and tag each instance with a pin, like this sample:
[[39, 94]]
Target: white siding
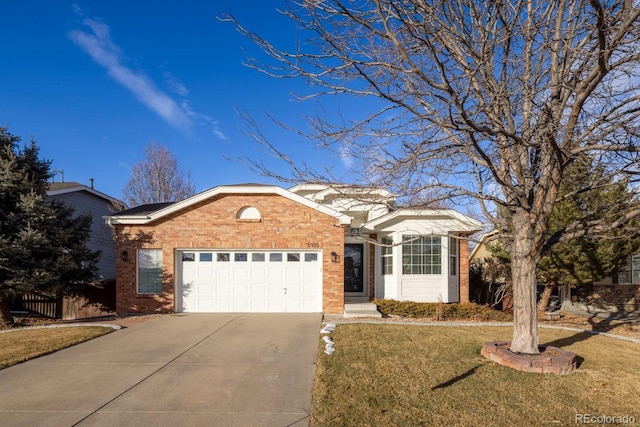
[[421, 288], [454, 290]]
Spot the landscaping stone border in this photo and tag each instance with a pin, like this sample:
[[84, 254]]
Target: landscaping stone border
[[551, 360]]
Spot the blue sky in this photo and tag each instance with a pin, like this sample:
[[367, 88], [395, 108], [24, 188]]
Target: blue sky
[[93, 82]]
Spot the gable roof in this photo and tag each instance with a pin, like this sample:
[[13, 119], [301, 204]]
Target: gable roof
[[458, 221], [480, 247], [58, 188], [317, 191], [144, 209], [146, 213]]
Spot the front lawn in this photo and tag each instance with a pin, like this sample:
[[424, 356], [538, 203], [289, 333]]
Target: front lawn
[[407, 375], [23, 344]]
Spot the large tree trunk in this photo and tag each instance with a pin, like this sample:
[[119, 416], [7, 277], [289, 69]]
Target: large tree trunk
[[6, 319], [545, 297], [524, 256]]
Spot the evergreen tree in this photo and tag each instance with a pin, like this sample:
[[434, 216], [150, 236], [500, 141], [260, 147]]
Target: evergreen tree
[[587, 199], [42, 245], [581, 261]]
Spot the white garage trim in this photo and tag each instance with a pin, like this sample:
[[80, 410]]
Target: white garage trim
[[255, 281]]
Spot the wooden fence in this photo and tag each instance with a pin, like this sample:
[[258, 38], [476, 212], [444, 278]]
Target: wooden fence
[[97, 301]]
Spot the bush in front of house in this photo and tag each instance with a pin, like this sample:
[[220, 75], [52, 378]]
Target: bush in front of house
[[429, 310]]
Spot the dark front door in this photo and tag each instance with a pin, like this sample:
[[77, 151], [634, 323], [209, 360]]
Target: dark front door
[[353, 280]]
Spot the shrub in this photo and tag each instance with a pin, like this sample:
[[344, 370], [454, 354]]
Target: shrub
[[453, 311]]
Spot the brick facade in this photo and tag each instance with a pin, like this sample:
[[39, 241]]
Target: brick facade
[[624, 298], [212, 224], [463, 270]]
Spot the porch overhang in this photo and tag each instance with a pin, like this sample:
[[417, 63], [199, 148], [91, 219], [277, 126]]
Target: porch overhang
[[436, 221]]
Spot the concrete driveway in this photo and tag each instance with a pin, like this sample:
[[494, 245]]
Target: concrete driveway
[[174, 370]]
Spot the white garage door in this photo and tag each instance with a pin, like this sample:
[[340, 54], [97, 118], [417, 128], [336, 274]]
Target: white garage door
[[250, 281]]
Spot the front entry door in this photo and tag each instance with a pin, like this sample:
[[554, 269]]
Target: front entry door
[[353, 260]]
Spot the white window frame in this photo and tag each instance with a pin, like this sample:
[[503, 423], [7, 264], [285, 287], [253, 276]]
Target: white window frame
[[149, 282], [421, 255], [386, 255], [631, 271], [453, 256]]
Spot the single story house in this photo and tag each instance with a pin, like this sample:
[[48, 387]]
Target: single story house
[[262, 248]]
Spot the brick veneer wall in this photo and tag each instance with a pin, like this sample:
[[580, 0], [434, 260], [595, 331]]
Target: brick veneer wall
[[463, 269], [623, 297], [212, 224]]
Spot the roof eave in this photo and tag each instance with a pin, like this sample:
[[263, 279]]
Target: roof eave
[[89, 190], [467, 224], [249, 189]]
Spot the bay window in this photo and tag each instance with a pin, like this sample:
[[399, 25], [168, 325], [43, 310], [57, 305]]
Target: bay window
[[421, 254]]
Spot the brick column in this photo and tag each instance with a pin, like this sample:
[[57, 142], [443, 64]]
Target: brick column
[[463, 255]]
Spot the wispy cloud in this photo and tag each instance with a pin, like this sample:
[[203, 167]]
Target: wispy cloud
[[175, 85], [96, 41], [204, 120]]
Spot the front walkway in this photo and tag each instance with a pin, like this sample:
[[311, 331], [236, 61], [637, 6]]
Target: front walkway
[[585, 310]]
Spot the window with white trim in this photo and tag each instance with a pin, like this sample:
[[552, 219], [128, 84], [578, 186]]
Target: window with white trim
[[386, 253], [453, 256], [149, 271], [630, 273], [421, 255], [249, 213]]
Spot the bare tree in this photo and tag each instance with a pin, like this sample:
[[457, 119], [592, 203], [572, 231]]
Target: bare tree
[[475, 100], [157, 178]]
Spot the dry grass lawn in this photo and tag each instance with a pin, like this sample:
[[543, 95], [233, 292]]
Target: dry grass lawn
[[23, 344], [405, 375]]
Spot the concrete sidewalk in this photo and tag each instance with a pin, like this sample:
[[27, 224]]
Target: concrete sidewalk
[[195, 370], [586, 310]]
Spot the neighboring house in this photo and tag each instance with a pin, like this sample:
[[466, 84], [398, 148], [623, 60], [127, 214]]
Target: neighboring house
[[489, 285], [87, 200], [480, 251], [619, 293], [95, 300], [261, 248]]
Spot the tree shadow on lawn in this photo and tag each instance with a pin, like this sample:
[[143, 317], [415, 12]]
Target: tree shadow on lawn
[[454, 380], [598, 324]]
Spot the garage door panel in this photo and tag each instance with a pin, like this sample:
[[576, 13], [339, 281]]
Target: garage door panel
[[258, 272], [240, 272], [309, 273], [232, 281], [222, 273], [240, 305], [290, 272], [222, 289], [205, 272], [274, 272]]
